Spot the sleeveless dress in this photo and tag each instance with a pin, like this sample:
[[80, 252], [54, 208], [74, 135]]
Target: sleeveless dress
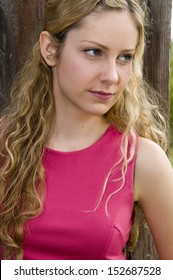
[[73, 225]]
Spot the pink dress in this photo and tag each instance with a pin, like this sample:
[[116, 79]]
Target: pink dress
[[69, 228]]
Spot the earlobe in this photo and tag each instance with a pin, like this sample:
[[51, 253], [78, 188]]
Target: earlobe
[[47, 48]]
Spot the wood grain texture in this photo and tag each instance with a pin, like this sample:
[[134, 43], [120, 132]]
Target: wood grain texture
[[3, 75], [20, 23], [157, 72], [157, 56]]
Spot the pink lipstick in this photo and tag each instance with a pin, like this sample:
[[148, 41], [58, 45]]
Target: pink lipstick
[[102, 95]]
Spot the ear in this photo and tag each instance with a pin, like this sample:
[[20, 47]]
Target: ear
[[47, 48]]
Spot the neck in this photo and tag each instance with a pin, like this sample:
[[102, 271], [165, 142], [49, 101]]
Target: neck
[[72, 133]]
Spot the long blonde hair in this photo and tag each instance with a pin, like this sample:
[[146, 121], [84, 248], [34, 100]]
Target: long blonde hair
[[28, 121]]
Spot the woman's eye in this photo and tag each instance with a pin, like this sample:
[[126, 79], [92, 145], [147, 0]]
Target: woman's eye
[[125, 58], [93, 52]]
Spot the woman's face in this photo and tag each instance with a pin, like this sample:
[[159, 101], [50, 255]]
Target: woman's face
[[95, 63]]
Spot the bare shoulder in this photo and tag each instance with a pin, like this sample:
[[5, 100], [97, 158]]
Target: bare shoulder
[[152, 165], [154, 191]]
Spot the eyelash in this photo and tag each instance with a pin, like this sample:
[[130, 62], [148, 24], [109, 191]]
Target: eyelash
[[126, 58], [123, 58], [96, 52]]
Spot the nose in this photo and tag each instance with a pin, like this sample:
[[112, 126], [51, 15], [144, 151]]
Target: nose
[[109, 73]]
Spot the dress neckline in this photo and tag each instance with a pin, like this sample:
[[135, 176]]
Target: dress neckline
[[90, 147]]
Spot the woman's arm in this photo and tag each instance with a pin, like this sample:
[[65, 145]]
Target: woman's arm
[[154, 191]]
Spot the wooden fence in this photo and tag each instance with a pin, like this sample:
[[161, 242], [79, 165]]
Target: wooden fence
[[157, 73], [20, 24]]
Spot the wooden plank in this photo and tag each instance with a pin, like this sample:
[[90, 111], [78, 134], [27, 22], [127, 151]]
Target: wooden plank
[[2, 57], [2, 29], [156, 69], [2, 71], [23, 22], [157, 57]]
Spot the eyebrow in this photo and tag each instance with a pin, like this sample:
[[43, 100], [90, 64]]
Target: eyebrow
[[105, 47]]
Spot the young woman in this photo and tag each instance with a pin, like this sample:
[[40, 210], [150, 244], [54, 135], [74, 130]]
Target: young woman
[[81, 141]]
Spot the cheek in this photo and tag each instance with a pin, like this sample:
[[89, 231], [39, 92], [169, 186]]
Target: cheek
[[126, 75], [75, 71]]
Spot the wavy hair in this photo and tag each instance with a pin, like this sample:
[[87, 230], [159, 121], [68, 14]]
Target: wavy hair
[[27, 123]]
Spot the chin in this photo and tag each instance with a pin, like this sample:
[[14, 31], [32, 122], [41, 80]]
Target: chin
[[98, 111]]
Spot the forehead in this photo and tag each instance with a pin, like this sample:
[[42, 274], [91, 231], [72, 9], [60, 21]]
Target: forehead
[[108, 28]]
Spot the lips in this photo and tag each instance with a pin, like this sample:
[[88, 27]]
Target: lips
[[102, 94]]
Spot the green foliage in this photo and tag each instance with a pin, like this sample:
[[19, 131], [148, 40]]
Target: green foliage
[[171, 155]]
